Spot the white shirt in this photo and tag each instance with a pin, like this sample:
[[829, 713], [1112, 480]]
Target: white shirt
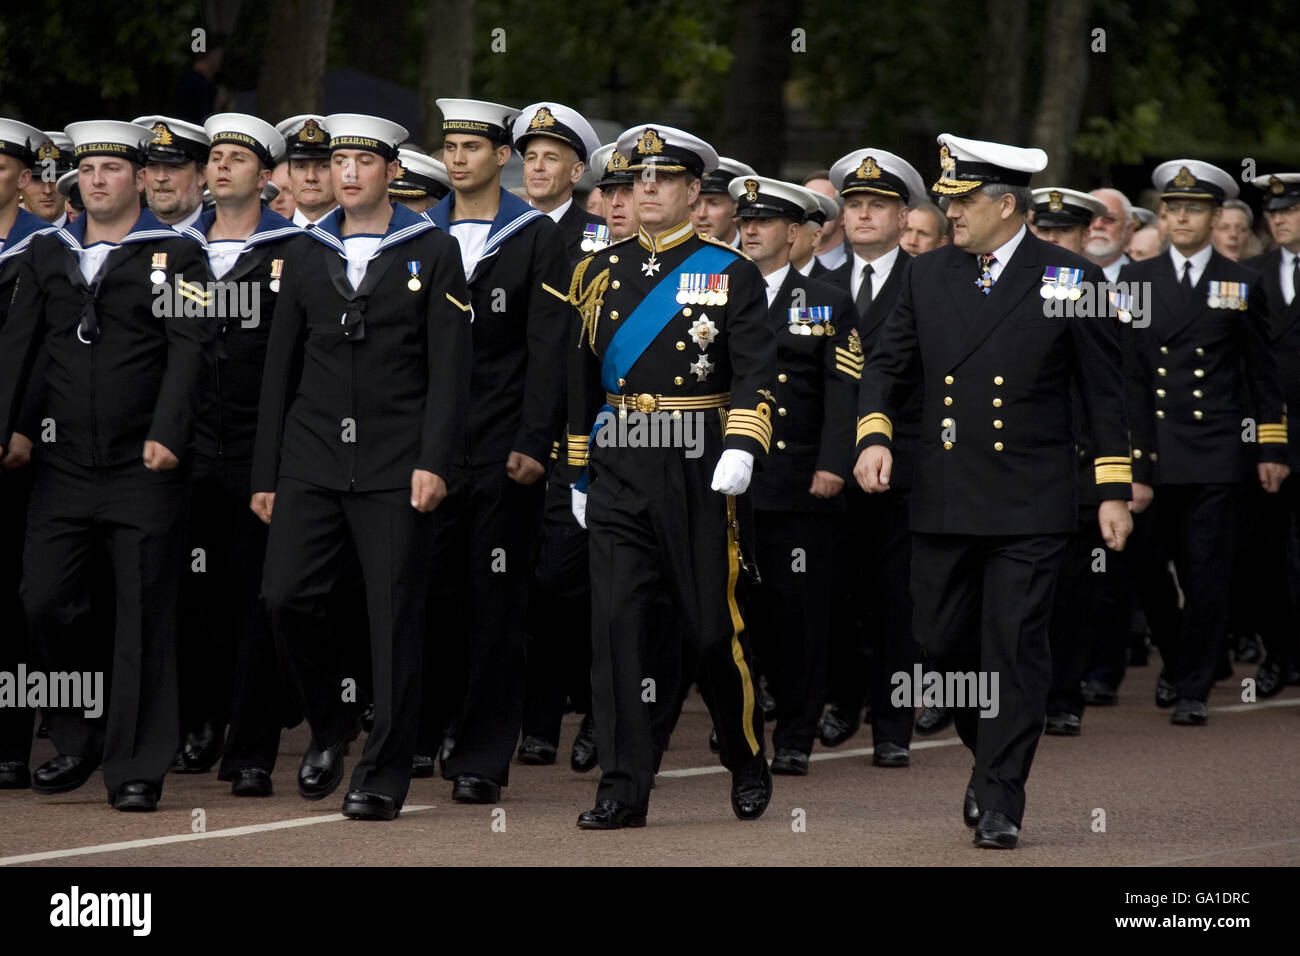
[[1199, 261], [472, 235], [1112, 271], [1287, 276], [359, 250], [302, 222], [561, 209], [735, 242], [189, 220], [807, 266], [223, 254], [881, 266], [833, 258], [92, 258], [774, 281], [61, 221], [1003, 253]]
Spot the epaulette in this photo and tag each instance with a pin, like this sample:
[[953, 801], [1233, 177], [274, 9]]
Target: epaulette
[[726, 245]]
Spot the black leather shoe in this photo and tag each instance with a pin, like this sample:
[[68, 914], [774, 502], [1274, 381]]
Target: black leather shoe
[[1063, 725], [1166, 692], [1247, 649], [1097, 694], [887, 754], [838, 726], [537, 752], [995, 831], [251, 782], [790, 763], [1190, 713], [1271, 677], [584, 755], [751, 791], [933, 720], [136, 796], [14, 776], [471, 788], [422, 766], [202, 748], [713, 740], [610, 815], [367, 805], [970, 809], [321, 771], [61, 773]]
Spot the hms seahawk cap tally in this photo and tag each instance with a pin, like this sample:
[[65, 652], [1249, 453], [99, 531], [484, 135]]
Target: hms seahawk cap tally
[[57, 148], [967, 164], [1056, 207], [1193, 179], [1281, 190], [419, 177], [306, 135], [611, 167], [20, 140], [652, 146], [478, 118], [556, 121], [173, 142], [359, 131], [878, 171], [719, 180], [758, 197], [107, 138], [241, 129]]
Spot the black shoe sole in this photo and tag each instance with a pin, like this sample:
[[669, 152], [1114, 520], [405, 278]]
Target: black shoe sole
[[135, 804], [537, 760], [629, 823], [61, 788], [1062, 731], [369, 813], [788, 770], [480, 799], [996, 843], [891, 763], [583, 766]]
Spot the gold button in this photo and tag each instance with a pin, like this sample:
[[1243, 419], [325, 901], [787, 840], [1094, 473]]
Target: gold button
[[1164, 350], [997, 423], [997, 379], [677, 380], [997, 403], [1197, 414], [1199, 372], [680, 346], [613, 260], [781, 377], [622, 382], [1197, 393], [615, 284], [1160, 393], [997, 446], [1161, 371], [1160, 413], [1200, 351], [1155, 456], [677, 413], [947, 380], [780, 411], [614, 316], [781, 445], [947, 399], [947, 446], [947, 423], [1137, 452], [687, 311]]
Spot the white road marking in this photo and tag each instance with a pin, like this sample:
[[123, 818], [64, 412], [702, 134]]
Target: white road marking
[[821, 755]]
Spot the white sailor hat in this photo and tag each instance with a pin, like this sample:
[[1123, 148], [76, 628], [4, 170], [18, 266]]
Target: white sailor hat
[[20, 140], [67, 183], [1281, 190], [1193, 179], [241, 129], [719, 180], [1056, 207], [306, 135], [758, 197], [359, 131], [558, 122], [827, 208], [107, 138], [877, 171], [477, 117], [1142, 217], [270, 192], [610, 166], [666, 149], [174, 142], [420, 176], [967, 164], [57, 147]]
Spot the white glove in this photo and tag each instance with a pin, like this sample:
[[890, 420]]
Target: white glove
[[732, 475], [578, 505]]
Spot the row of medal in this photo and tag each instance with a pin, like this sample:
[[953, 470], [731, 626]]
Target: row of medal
[[1061, 283], [700, 288], [595, 237], [811, 321], [1228, 295]]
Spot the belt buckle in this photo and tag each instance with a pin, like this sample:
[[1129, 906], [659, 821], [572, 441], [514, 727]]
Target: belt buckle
[[645, 403]]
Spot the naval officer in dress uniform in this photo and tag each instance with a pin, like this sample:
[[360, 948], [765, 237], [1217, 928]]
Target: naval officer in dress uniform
[[555, 142]]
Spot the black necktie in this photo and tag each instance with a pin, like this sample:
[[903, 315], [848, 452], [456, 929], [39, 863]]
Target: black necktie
[[1295, 278], [1187, 278], [863, 301]]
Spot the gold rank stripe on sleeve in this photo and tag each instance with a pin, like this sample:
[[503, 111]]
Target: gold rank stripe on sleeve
[[555, 451], [193, 291], [456, 302], [1114, 468], [577, 455], [875, 424], [751, 423], [848, 363], [1272, 434]]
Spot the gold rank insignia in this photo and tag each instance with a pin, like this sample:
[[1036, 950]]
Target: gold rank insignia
[[870, 169], [751, 190], [311, 132], [401, 172], [649, 143], [947, 163], [1184, 178], [1054, 201], [616, 162], [855, 342], [162, 136], [47, 151], [542, 119], [1276, 186]]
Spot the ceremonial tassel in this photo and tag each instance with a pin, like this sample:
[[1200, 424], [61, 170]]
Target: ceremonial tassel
[[588, 301]]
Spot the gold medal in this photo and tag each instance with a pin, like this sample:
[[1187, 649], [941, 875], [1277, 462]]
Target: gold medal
[[818, 330]]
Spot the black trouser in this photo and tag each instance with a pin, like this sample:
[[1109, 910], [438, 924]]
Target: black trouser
[[559, 620], [1272, 562], [849, 654], [309, 528], [1151, 588], [15, 648], [790, 616], [140, 517], [1194, 527], [983, 604], [1092, 610], [482, 571], [654, 524], [884, 546]]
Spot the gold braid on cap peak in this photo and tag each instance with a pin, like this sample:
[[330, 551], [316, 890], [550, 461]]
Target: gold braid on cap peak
[[588, 301]]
